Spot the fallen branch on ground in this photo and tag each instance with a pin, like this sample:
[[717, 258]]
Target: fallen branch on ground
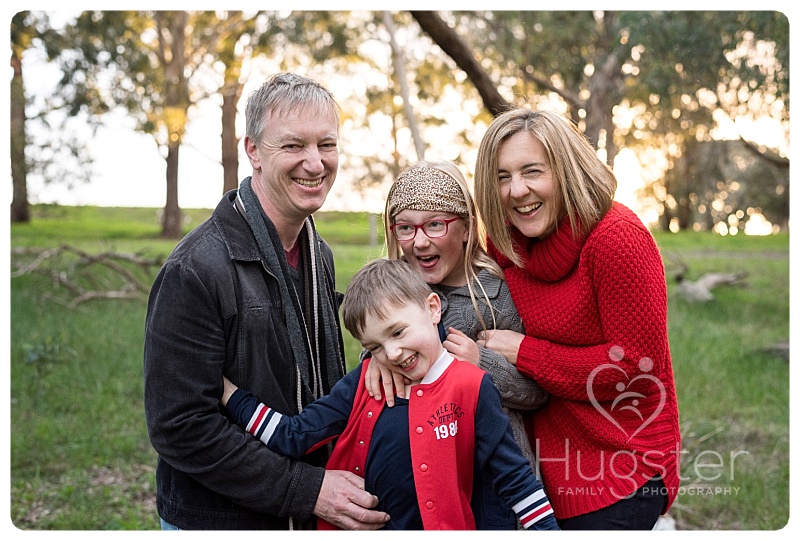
[[700, 290], [86, 276]]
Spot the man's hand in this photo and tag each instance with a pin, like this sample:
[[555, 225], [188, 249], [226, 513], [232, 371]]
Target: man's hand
[[343, 502]]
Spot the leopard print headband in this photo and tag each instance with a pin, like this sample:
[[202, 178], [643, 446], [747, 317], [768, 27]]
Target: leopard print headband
[[426, 188]]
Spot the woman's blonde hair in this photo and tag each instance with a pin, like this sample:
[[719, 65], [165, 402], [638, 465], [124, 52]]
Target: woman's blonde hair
[[584, 185], [475, 256]]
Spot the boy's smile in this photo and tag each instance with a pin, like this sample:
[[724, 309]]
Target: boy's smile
[[408, 362]]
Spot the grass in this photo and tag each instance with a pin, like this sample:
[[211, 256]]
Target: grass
[[81, 459]]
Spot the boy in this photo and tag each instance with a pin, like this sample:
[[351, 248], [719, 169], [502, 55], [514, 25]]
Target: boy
[[418, 457]]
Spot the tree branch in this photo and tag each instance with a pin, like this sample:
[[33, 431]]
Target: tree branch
[[772, 158], [446, 38], [108, 275]]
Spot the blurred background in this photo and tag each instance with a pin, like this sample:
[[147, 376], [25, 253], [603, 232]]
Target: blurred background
[[691, 108]]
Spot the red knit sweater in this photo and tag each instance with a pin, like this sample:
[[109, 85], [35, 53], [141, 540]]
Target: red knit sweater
[[595, 313]]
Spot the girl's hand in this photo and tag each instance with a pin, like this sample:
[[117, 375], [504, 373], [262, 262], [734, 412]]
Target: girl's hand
[[378, 376], [461, 346], [504, 342]]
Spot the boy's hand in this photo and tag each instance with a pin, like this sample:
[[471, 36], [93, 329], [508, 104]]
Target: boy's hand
[[378, 376], [462, 347], [228, 389]]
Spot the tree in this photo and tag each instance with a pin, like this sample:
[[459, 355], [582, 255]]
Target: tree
[[43, 144], [724, 182], [146, 63], [399, 64], [21, 39], [637, 79]]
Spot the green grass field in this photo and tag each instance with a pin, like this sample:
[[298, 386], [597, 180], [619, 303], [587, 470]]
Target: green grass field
[[81, 459]]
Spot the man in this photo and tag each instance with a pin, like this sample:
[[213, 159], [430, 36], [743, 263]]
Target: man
[[250, 295]]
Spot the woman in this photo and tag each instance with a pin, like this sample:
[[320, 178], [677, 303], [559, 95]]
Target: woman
[[588, 281]]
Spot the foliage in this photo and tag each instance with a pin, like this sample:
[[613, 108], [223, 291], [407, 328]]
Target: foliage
[[654, 79], [723, 182], [639, 79], [42, 144]]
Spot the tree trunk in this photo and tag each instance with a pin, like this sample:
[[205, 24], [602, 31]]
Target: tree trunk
[[398, 61], [172, 211], [230, 143], [446, 38], [20, 210], [603, 94], [176, 101]]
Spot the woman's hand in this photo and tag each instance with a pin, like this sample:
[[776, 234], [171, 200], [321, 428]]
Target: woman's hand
[[378, 376], [461, 346], [504, 342]]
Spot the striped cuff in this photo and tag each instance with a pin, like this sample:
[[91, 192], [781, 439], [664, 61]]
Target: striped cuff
[[263, 422], [533, 509]]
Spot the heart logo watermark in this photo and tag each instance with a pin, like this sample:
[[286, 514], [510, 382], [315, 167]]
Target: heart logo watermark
[[628, 400]]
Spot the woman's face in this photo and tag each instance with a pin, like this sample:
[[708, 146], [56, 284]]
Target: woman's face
[[439, 260], [527, 186]]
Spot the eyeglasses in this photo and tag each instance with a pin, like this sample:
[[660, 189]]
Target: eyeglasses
[[433, 229]]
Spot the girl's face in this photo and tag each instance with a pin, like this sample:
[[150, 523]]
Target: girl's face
[[439, 260], [527, 186]]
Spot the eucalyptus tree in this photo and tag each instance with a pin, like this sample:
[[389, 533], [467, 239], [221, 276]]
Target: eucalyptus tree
[[21, 39], [639, 79], [155, 65], [42, 145]]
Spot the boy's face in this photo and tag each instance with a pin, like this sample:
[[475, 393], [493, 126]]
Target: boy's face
[[406, 341]]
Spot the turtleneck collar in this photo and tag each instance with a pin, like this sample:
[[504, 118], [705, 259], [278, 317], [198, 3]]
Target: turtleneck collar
[[550, 258]]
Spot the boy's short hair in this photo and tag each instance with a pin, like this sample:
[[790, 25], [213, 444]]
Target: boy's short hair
[[378, 286]]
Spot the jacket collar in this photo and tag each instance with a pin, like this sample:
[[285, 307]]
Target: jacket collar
[[437, 368], [234, 229]]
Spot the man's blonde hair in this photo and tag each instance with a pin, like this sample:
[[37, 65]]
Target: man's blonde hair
[[379, 286]]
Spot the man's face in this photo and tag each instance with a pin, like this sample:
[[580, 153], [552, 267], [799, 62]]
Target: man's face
[[295, 164], [406, 340]]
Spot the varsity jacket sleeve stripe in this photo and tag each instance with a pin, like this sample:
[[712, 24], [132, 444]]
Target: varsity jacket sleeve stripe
[[296, 435], [533, 509], [263, 422], [514, 479]]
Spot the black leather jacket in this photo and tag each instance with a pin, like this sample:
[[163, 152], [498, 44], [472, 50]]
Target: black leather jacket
[[216, 309]]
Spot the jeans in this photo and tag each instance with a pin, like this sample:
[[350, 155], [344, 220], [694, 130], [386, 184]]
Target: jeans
[[640, 511], [167, 526]]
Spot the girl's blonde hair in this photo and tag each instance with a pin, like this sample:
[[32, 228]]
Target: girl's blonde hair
[[475, 256], [584, 185]]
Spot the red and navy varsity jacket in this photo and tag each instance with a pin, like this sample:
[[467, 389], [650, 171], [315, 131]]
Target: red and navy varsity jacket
[[444, 431]]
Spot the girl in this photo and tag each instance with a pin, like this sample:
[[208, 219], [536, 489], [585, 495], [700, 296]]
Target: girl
[[431, 222]]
